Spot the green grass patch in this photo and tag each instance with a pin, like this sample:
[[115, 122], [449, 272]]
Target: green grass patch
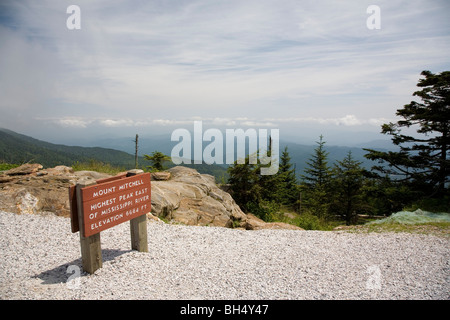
[[6, 166], [305, 220], [418, 222], [441, 229], [95, 165]]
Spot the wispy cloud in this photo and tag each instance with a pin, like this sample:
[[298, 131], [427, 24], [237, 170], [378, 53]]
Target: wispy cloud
[[71, 122], [348, 120], [164, 63]]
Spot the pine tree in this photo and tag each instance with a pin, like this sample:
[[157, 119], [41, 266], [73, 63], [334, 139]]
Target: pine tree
[[317, 182], [318, 173], [288, 180], [244, 184], [346, 188], [256, 193], [423, 161], [157, 158]]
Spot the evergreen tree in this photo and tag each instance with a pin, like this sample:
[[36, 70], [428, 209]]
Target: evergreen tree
[[318, 173], [157, 158], [346, 185], [422, 162], [244, 184], [288, 180], [384, 196], [256, 193], [317, 180]]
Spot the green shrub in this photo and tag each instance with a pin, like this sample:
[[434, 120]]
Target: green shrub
[[432, 205], [98, 166], [6, 166], [265, 210], [308, 221]]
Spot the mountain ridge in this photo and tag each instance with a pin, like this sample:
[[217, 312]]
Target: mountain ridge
[[19, 148], [299, 152]]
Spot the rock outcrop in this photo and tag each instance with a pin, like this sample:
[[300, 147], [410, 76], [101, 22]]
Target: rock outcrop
[[30, 189], [178, 195], [194, 199]]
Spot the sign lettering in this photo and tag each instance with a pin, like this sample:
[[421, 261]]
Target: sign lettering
[[115, 201]]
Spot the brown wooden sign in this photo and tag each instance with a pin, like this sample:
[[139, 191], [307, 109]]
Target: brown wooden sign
[[112, 201], [100, 205]]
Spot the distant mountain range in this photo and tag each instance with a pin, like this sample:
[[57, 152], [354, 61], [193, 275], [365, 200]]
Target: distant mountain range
[[19, 148], [299, 153]]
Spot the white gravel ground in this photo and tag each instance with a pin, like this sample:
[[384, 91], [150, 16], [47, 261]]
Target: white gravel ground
[[40, 259]]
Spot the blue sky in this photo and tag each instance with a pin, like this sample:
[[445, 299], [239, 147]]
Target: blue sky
[[148, 67]]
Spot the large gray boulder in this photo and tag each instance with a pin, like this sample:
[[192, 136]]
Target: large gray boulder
[[194, 199]]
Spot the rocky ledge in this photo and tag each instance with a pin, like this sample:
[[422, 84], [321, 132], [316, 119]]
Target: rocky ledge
[[178, 195]]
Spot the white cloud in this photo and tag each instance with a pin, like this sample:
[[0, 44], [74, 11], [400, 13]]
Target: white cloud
[[224, 121], [117, 123], [258, 124], [233, 63], [347, 120], [73, 123]]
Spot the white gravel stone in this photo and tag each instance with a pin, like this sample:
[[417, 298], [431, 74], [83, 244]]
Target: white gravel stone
[[39, 255]]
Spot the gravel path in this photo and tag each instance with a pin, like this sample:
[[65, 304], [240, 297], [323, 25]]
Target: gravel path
[[40, 259]]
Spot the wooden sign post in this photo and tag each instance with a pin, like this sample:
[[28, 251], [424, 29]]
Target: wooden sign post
[[100, 205], [138, 225]]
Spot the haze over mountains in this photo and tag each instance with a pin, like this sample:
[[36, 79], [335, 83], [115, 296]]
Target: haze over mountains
[[299, 153], [18, 148]]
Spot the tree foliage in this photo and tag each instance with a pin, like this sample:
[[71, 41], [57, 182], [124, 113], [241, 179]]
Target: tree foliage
[[423, 159], [288, 180], [157, 159], [346, 186], [316, 182], [18, 148], [318, 173], [416, 174], [259, 194], [244, 182]]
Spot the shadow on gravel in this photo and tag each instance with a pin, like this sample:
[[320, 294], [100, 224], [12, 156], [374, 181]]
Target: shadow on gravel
[[62, 273]]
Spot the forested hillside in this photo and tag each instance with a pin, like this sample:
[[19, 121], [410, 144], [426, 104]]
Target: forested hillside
[[18, 148]]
